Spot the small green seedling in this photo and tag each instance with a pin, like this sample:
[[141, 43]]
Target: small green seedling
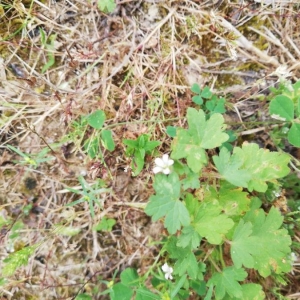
[[107, 6], [32, 160], [100, 136], [88, 193], [213, 103], [50, 49], [287, 109], [138, 149], [131, 285], [105, 225], [17, 259]]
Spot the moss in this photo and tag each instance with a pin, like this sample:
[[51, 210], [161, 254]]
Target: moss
[[226, 80], [250, 66]]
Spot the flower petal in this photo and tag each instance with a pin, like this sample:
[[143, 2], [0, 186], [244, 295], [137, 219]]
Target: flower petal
[[170, 162], [165, 268], [166, 171], [159, 162], [165, 158], [157, 170]]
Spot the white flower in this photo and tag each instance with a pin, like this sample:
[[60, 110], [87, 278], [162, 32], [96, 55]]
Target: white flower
[[163, 164], [168, 271]]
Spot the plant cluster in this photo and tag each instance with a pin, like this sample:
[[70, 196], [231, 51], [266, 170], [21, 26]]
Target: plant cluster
[[209, 194], [217, 230]]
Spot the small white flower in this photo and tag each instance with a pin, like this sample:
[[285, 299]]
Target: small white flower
[[163, 164], [168, 271]]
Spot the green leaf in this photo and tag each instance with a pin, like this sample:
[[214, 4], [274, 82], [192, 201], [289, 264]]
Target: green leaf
[[178, 285], [130, 277], [210, 223], [191, 181], [230, 167], [132, 145], [187, 264], [107, 5], [198, 286], [96, 119], [232, 138], [171, 131], [207, 220], [240, 250], [138, 162], [16, 260], [150, 145], [262, 164], [189, 237], [233, 200], [196, 88], [251, 291], [186, 260], [17, 151], [294, 135], [166, 203], [91, 146], [171, 246], [259, 243], [139, 148], [192, 204], [83, 297], [216, 105], [251, 167], [142, 140], [144, 294], [43, 36], [206, 93], [50, 50], [3, 281], [202, 134], [197, 99], [227, 282], [209, 292], [105, 224], [283, 107], [121, 292], [107, 140]]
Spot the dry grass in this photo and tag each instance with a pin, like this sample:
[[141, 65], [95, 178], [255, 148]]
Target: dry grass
[[137, 65]]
